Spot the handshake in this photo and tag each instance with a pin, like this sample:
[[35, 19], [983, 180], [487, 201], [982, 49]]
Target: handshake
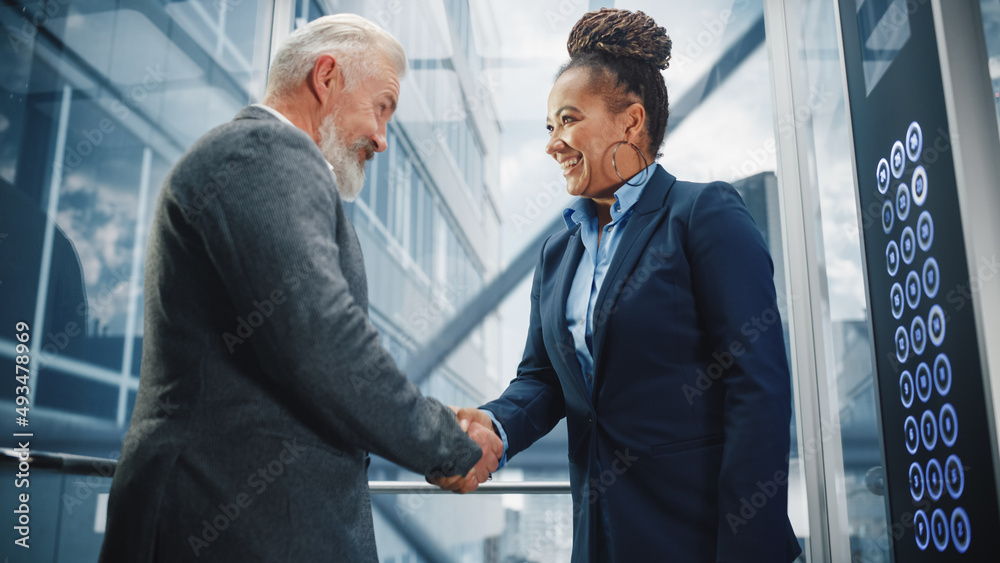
[[479, 426]]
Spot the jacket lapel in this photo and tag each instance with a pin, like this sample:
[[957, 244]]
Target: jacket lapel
[[557, 318], [646, 217]]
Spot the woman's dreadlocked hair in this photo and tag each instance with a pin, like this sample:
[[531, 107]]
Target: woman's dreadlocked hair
[[627, 50]]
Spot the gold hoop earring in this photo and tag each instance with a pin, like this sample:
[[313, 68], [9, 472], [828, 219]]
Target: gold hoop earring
[[645, 163]]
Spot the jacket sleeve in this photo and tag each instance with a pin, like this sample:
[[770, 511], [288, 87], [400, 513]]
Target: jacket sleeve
[[732, 277], [533, 403], [276, 215]]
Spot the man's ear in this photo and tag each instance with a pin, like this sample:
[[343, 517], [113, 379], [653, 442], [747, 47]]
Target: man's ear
[[635, 122], [326, 78]]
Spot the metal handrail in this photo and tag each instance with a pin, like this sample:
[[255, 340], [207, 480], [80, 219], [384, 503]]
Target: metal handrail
[[489, 488], [71, 464]]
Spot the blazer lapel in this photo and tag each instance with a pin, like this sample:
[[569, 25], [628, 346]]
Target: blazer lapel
[[557, 314], [646, 217]]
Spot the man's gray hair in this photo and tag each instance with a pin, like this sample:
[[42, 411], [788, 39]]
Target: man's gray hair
[[351, 39]]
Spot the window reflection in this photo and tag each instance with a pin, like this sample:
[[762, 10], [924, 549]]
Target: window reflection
[[848, 314], [991, 28], [99, 98]]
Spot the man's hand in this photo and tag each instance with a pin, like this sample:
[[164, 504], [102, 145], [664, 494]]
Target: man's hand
[[480, 428]]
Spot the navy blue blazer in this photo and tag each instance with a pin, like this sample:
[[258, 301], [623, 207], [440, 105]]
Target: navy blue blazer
[[686, 432]]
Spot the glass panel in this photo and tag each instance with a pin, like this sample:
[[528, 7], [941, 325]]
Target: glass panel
[[991, 28], [824, 121], [110, 113]]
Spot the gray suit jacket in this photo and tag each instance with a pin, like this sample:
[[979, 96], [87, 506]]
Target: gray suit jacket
[[263, 382]]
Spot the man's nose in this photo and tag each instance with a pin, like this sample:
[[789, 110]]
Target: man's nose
[[378, 139]]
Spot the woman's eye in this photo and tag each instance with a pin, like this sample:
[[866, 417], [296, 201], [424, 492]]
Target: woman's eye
[[566, 119], [549, 128]]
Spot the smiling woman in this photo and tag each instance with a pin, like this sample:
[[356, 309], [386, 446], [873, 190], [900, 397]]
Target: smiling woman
[[661, 374], [610, 93]]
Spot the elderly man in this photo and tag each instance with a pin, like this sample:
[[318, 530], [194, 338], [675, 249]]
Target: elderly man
[[263, 382]]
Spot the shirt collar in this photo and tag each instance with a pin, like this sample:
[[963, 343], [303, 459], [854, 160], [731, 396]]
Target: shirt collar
[[582, 210], [281, 117]]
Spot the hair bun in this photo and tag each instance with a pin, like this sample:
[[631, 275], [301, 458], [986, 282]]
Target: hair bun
[[621, 33]]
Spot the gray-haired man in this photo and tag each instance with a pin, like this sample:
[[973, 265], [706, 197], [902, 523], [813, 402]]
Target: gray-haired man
[[257, 332]]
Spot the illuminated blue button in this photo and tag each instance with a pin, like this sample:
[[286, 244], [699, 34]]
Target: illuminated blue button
[[892, 258], [897, 300], [931, 277], [911, 434], [913, 290], [934, 479], [882, 175], [916, 482], [902, 202], [948, 423], [897, 160], [918, 185], [939, 529], [918, 339], [936, 325], [942, 374], [908, 245], [902, 344], [961, 534], [906, 389], [924, 383], [888, 216], [925, 231], [954, 476], [921, 529], [914, 141], [928, 430]]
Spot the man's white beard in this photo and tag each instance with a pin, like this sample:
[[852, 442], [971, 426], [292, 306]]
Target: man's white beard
[[349, 172]]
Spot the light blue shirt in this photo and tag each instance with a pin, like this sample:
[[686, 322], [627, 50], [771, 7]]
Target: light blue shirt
[[590, 273], [594, 265]]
